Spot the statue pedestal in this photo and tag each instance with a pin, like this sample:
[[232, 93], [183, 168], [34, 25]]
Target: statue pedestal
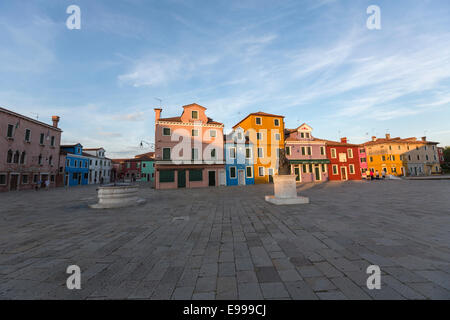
[[285, 191], [117, 196]]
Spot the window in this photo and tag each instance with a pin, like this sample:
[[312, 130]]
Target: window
[[195, 175], [212, 133], [50, 160], [409, 157], [232, 153], [195, 132], [361, 151], [232, 172], [418, 157], [194, 154], [213, 153], [393, 158], [261, 171], [310, 168], [259, 136], [52, 141], [276, 122], [352, 169], [194, 114], [322, 151], [324, 168], [303, 151], [277, 137], [371, 159], [426, 157], [239, 135], [10, 131], [260, 153], [35, 178], [248, 153], [27, 135], [16, 157], [363, 160], [144, 165], [249, 172], [2, 179], [302, 135], [67, 163], [333, 153], [335, 169], [167, 176], [25, 179], [383, 158], [166, 131], [41, 139], [9, 156], [309, 151], [166, 153], [350, 153], [307, 135], [288, 151], [258, 120], [305, 168], [390, 147]]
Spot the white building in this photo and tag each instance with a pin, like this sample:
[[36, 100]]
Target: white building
[[99, 166]]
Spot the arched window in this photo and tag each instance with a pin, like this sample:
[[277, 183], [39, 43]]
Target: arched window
[[22, 158], [9, 156], [16, 157]]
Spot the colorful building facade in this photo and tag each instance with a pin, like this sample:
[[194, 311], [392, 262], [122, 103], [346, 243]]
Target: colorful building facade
[[188, 150], [99, 166], [266, 134], [402, 157], [76, 170], [29, 151], [344, 160], [306, 155], [239, 159], [147, 166], [362, 160]]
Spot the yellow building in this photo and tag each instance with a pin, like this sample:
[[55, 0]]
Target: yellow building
[[266, 133], [402, 157]]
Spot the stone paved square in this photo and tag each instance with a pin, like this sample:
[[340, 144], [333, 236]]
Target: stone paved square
[[228, 243]]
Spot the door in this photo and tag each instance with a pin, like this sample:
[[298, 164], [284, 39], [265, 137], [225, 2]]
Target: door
[[181, 178], [270, 175], [241, 178], [222, 178], [297, 173], [415, 171], [317, 173], [343, 173], [212, 178], [14, 182], [66, 181]]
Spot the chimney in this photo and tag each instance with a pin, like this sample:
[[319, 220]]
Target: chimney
[[374, 138], [424, 138], [55, 120], [157, 113], [344, 140], [388, 136]]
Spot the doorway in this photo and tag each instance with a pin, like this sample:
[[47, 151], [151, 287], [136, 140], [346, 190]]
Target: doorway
[[212, 178], [241, 177], [181, 178], [343, 173], [14, 182], [79, 178], [270, 175], [222, 178], [297, 173], [317, 173]]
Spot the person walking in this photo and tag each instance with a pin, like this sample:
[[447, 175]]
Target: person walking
[[371, 174], [377, 174], [367, 174], [383, 174], [47, 185], [38, 185]]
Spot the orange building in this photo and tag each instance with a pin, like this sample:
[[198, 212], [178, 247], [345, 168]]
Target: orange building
[[266, 133]]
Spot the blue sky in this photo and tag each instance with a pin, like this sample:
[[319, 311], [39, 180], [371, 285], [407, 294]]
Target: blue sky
[[311, 61]]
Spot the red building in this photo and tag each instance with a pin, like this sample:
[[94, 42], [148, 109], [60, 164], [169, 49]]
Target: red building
[[128, 170], [441, 155], [344, 160]]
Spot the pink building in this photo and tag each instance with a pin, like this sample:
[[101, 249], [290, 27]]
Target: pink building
[[188, 150], [306, 154], [362, 159], [29, 151]]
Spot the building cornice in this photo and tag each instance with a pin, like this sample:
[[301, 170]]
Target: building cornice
[[174, 123]]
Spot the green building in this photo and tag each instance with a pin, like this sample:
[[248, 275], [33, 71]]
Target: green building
[[147, 166]]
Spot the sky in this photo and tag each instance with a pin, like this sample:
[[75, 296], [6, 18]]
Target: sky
[[313, 61]]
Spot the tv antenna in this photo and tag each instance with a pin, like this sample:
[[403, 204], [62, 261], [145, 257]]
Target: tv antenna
[[36, 114], [151, 145]]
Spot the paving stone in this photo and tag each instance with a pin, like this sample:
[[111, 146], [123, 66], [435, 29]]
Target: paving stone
[[246, 276], [272, 290], [267, 274], [206, 284], [331, 295], [431, 291], [243, 264], [226, 288], [204, 296], [249, 291], [289, 275], [226, 269], [327, 269], [309, 271], [405, 290], [300, 290], [320, 284], [350, 289], [260, 257]]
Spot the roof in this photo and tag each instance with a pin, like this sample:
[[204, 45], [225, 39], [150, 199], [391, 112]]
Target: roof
[[336, 143], [145, 156], [70, 145], [178, 119], [259, 113], [29, 119], [92, 149], [397, 140], [194, 105]]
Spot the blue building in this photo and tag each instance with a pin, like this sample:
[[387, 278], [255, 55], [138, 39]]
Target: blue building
[[238, 158], [76, 165]]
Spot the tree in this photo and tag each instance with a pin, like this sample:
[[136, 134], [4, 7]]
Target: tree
[[447, 154]]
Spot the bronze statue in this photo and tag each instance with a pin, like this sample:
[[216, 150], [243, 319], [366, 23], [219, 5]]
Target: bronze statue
[[283, 163]]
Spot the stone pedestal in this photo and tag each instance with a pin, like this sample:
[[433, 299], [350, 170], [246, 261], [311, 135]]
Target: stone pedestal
[[117, 196], [285, 191]]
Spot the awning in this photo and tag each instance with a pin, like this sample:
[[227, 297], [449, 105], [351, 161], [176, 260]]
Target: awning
[[312, 161]]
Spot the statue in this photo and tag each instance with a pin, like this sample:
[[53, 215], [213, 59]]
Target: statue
[[283, 163]]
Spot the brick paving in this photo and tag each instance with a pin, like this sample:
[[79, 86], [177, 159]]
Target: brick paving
[[228, 243]]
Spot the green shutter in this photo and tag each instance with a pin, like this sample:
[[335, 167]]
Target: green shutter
[[166, 176], [195, 175]]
